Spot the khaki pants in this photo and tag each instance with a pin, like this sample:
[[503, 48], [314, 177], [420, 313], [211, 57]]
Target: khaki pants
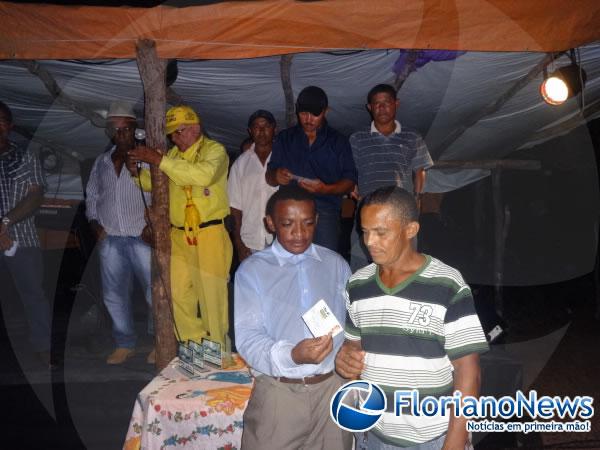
[[199, 276], [282, 416]]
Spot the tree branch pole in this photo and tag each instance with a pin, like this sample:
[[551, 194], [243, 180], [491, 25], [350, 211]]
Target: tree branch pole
[[285, 64], [152, 73], [58, 94]]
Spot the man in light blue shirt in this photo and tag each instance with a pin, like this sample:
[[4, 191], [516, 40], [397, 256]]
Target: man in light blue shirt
[[289, 406]]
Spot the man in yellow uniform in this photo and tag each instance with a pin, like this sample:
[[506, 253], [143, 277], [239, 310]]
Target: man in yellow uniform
[[201, 250]]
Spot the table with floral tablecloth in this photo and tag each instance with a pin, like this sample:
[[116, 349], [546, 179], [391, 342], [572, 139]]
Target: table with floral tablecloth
[[177, 412]]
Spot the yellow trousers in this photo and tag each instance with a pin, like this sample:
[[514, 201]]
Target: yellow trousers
[[199, 277]]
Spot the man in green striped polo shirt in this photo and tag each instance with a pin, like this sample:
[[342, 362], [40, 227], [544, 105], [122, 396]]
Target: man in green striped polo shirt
[[411, 324]]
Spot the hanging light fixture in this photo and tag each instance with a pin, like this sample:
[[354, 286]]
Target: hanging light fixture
[[50, 160], [563, 83]]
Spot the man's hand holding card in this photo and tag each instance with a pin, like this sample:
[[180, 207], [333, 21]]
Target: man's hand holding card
[[323, 325], [320, 320]]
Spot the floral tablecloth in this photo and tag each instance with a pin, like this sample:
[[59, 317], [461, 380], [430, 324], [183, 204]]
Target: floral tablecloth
[[177, 412]]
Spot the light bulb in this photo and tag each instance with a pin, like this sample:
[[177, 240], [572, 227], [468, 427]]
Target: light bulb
[[554, 90]]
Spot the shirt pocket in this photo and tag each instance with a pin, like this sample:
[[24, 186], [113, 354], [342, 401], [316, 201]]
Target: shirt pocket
[[19, 176]]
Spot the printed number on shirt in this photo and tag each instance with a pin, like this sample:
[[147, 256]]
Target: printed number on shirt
[[421, 314]]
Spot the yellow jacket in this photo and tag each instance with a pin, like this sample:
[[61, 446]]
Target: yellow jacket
[[202, 166]]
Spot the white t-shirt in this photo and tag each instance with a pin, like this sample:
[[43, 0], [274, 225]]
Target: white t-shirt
[[248, 191]]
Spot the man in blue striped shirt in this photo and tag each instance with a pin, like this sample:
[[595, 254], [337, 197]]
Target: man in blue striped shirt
[[386, 154], [115, 209]]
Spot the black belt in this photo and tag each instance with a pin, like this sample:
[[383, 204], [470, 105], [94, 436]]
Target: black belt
[[306, 380], [210, 223]]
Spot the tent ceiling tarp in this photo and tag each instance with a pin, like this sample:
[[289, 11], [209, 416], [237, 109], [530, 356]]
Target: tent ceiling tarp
[[228, 65], [435, 100], [246, 29]]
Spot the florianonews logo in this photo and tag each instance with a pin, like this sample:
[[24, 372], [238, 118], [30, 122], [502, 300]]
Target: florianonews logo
[[357, 405]]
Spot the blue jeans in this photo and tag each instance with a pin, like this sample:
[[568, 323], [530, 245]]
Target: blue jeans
[[328, 226], [27, 273], [122, 258]]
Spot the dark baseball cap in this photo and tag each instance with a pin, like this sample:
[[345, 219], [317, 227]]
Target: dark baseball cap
[[261, 114], [311, 99]]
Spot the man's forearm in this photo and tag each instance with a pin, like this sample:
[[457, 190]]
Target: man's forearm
[[467, 379], [95, 224], [343, 186], [27, 206], [349, 361], [97, 229], [419, 180], [270, 177], [237, 225]]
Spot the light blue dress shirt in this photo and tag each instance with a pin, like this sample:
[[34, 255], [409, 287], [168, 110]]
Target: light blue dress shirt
[[273, 288]]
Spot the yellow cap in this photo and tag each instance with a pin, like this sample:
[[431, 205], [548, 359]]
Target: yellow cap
[[180, 115]]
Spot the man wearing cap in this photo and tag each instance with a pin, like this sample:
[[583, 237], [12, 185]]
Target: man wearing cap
[[319, 159], [201, 250], [247, 189], [115, 209]]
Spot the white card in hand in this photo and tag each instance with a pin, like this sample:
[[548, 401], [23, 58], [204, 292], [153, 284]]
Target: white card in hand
[[320, 320]]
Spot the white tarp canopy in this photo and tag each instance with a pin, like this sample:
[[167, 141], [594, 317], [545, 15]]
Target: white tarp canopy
[[436, 99]]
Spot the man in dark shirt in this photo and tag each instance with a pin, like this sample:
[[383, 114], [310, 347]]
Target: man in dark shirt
[[319, 159]]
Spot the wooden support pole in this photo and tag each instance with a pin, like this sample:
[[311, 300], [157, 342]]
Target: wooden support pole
[[152, 72], [58, 94], [285, 64]]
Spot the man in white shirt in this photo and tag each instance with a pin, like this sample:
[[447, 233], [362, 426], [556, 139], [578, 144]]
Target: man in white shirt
[[115, 209], [247, 189]]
